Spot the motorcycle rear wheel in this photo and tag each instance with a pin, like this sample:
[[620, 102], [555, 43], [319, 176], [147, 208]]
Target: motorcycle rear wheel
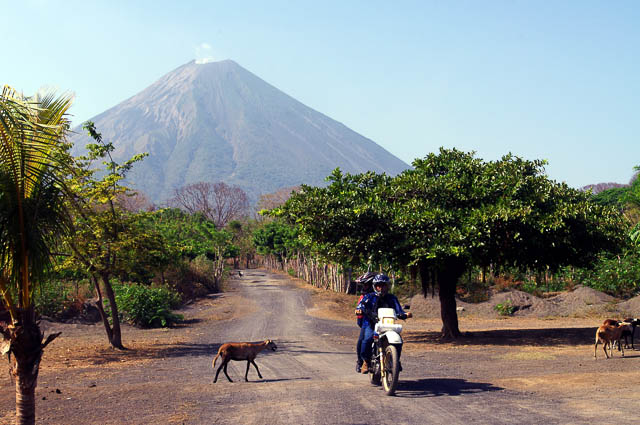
[[391, 369]]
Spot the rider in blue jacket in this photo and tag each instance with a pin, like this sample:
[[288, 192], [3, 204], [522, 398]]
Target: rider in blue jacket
[[368, 307]]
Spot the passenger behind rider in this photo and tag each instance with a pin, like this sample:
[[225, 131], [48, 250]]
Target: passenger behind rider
[[366, 280], [368, 308]]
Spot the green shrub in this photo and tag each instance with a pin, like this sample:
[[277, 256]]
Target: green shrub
[[505, 308], [616, 275], [51, 298], [191, 279], [61, 299], [147, 306], [555, 283], [291, 272]]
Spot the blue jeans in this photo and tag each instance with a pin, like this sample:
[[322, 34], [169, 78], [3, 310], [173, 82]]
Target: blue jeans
[[358, 344], [367, 340]]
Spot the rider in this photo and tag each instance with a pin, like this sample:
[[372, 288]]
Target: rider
[[366, 280], [369, 306]]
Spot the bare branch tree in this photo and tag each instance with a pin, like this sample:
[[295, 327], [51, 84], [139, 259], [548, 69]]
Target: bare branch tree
[[219, 202], [134, 202], [272, 200]]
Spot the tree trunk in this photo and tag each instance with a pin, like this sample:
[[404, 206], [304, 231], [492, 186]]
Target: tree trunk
[[116, 336], [27, 353], [448, 313], [100, 305], [425, 277], [26, 346], [447, 278], [25, 397], [413, 272], [446, 275], [113, 331]]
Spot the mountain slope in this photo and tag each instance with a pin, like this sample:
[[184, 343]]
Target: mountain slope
[[219, 122]]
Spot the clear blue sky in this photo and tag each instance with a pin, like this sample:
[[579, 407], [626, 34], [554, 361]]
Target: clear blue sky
[[555, 80]]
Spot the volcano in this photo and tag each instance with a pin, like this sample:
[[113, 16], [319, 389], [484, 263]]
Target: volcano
[[219, 122]]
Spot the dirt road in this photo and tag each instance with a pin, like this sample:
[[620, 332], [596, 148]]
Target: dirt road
[[167, 377]]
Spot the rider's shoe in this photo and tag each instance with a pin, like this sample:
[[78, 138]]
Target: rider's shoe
[[358, 367], [365, 367]]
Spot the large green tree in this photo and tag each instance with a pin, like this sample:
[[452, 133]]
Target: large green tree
[[103, 231], [32, 220], [459, 211]]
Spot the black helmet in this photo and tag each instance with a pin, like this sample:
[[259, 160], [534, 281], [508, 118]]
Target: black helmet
[[380, 279], [366, 279]]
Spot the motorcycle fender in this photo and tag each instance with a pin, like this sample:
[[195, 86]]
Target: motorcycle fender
[[393, 338]]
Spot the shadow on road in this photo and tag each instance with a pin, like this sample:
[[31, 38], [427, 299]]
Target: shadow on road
[[185, 322], [512, 337], [283, 379], [298, 352], [432, 387], [297, 348], [108, 355]]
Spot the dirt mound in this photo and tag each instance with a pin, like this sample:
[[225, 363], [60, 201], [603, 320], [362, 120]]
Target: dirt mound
[[630, 308], [429, 307], [522, 303], [581, 302], [426, 307], [584, 301]]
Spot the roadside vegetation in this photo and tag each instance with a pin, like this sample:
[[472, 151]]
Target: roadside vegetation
[[457, 225], [73, 236]]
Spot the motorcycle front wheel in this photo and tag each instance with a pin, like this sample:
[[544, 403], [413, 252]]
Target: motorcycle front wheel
[[391, 369], [374, 373]]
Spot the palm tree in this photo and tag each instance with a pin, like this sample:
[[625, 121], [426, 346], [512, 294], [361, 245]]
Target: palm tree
[[32, 220]]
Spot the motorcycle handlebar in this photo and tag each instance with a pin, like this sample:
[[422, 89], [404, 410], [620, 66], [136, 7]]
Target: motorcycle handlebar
[[372, 316]]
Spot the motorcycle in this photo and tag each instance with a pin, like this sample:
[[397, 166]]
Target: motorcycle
[[387, 347]]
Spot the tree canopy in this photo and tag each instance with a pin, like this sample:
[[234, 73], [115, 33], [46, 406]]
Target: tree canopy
[[452, 211], [102, 230], [349, 221]]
